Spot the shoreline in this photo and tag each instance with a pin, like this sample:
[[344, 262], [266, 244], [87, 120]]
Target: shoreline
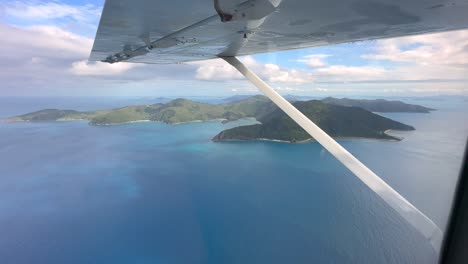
[[197, 121], [9, 120], [306, 141], [311, 139], [120, 123]]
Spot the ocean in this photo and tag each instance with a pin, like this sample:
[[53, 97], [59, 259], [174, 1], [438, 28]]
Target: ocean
[[157, 193]]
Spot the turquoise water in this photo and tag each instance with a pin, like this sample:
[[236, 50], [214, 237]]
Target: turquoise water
[[156, 193]]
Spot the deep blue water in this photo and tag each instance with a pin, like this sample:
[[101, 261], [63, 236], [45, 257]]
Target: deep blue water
[[156, 193]]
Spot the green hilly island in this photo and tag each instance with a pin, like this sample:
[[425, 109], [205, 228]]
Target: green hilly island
[[336, 116], [336, 120], [379, 105], [175, 111]]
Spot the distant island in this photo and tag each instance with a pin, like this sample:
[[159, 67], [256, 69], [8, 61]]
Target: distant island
[[338, 117], [379, 105], [173, 112]]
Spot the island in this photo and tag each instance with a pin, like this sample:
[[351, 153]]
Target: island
[[330, 114], [173, 112], [379, 105], [336, 120]]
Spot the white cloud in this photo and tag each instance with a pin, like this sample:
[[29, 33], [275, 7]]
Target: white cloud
[[49, 59], [98, 68], [449, 48], [215, 70], [51, 37], [50, 10], [36, 60], [319, 89], [218, 70], [323, 71], [48, 41], [288, 89], [315, 63], [314, 60], [350, 73], [441, 56]]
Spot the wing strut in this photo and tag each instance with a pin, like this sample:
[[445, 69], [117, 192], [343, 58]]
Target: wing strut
[[408, 211]]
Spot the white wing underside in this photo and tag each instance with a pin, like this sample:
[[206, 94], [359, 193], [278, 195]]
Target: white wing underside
[[189, 30]]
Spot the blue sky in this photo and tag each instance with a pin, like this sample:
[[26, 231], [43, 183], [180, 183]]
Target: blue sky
[[48, 42]]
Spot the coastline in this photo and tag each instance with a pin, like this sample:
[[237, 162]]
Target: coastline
[[11, 120], [197, 121], [146, 120], [113, 124], [397, 139], [122, 123], [307, 140]]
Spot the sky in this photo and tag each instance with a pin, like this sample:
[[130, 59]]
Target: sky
[[45, 46]]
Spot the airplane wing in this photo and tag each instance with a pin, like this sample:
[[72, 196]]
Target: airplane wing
[[150, 31], [176, 31]]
